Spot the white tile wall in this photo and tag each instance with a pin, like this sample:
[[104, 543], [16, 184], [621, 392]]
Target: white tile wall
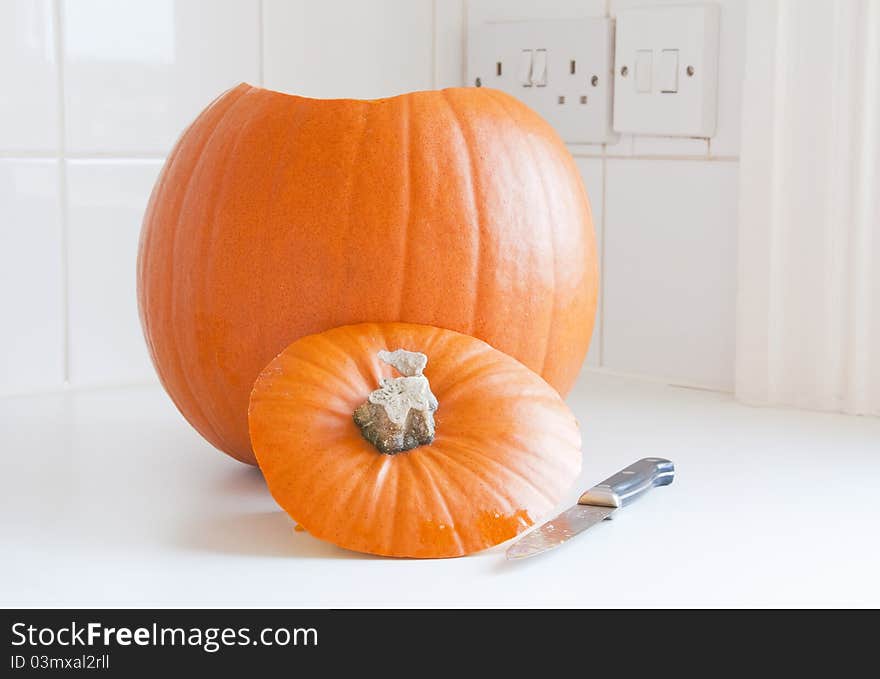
[[106, 201], [670, 270], [450, 44], [136, 73], [622, 147], [338, 48], [523, 10], [28, 73], [31, 289], [98, 90], [669, 146]]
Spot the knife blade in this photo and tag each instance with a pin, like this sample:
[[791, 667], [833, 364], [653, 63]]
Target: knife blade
[[596, 505]]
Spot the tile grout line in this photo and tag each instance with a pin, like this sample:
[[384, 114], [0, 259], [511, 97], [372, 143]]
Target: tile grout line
[[82, 155], [657, 379], [705, 159], [79, 388], [61, 148]]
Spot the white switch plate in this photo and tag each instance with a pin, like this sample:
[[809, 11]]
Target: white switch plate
[[691, 110], [578, 104]]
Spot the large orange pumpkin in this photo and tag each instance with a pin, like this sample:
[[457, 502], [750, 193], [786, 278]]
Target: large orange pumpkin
[[278, 216], [505, 446]]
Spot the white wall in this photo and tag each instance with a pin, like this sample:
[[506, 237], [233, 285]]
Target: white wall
[[96, 91]]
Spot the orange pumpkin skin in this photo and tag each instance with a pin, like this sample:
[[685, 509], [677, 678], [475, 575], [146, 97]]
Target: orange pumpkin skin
[[278, 216], [506, 446]]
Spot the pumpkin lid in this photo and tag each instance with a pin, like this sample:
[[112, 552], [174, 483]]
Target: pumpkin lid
[[493, 447]]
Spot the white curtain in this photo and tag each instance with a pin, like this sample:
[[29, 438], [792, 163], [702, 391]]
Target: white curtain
[[808, 307]]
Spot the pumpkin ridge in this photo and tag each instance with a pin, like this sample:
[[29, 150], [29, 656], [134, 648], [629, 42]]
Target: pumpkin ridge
[[370, 369], [363, 494], [358, 113], [470, 365], [472, 179], [148, 237], [393, 504], [330, 350], [371, 375], [551, 239], [319, 491], [169, 304], [208, 409], [470, 358], [406, 136], [283, 151], [532, 170], [557, 435], [420, 462], [204, 282], [534, 394], [386, 468], [476, 451], [537, 466], [484, 482], [396, 467], [467, 372], [512, 437], [310, 363], [350, 186]]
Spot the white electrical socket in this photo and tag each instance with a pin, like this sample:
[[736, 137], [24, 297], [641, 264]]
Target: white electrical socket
[[563, 69], [666, 71]]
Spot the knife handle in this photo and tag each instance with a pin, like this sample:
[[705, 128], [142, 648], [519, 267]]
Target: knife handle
[[631, 483]]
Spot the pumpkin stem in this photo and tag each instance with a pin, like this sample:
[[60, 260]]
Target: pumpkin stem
[[399, 415]]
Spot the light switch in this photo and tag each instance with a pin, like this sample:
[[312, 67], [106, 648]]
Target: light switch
[[644, 68], [539, 69], [525, 68], [681, 99], [668, 71]]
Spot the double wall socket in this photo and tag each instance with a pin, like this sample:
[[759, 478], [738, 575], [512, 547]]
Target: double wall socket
[[660, 78], [561, 69]]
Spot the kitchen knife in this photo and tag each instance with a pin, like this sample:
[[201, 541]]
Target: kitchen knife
[[597, 504]]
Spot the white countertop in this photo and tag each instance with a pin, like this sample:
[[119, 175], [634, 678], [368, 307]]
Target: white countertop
[[108, 498]]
